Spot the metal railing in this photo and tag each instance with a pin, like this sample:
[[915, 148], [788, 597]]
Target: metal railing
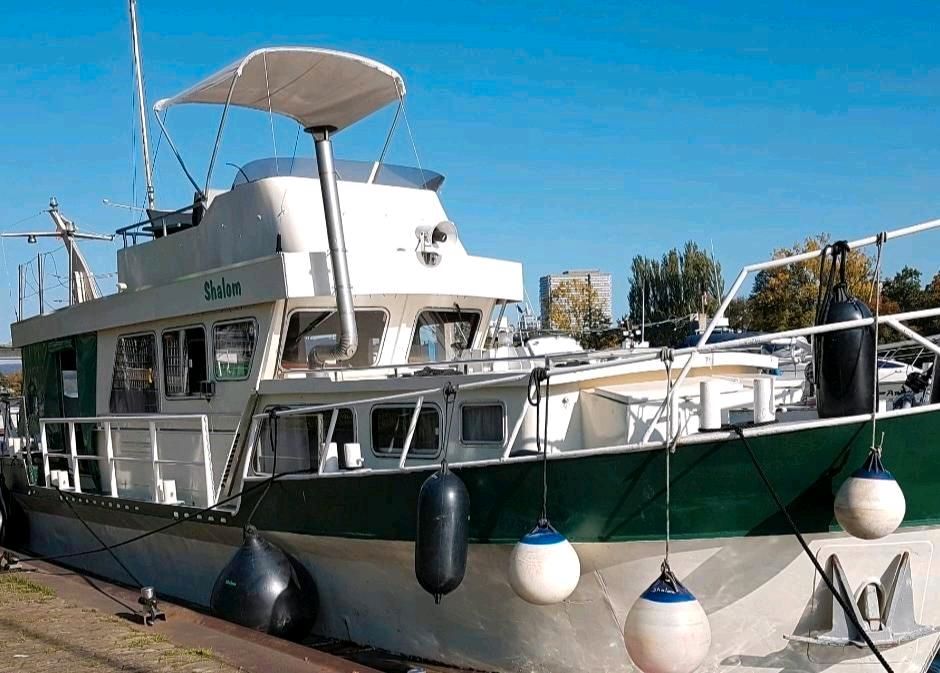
[[894, 320], [147, 228], [562, 363], [107, 423]]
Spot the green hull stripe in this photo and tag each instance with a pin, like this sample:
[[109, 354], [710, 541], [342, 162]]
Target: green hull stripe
[[620, 497]]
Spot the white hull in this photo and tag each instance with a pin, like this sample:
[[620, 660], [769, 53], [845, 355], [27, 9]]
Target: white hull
[[755, 591]]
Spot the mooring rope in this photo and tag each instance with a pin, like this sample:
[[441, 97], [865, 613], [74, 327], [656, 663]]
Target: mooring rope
[[104, 544], [272, 440], [849, 613], [171, 524]]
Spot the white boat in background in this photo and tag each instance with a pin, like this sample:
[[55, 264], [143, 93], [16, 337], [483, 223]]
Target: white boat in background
[[295, 355]]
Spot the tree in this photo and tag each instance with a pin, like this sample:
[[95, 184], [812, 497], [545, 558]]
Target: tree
[[931, 299], [904, 290], [785, 297], [577, 308], [680, 284], [739, 314], [12, 383]]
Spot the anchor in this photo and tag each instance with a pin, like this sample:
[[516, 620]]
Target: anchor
[[887, 614]]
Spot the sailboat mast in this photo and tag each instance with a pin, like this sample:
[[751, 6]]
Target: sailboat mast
[[141, 103]]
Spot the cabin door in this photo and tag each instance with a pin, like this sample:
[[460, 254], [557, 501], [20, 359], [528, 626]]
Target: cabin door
[[59, 381]]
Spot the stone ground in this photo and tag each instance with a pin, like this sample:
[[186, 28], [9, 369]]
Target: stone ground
[[55, 619], [39, 632]]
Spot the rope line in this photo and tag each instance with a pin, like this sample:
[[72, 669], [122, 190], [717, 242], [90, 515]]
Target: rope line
[[100, 541], [267, 86], [414, 146], [667, 358], [450, 397], [850, 614], [272, 440], [876, 290], [534, 397]]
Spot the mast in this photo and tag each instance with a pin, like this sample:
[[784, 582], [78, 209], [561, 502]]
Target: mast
[[141, 103]]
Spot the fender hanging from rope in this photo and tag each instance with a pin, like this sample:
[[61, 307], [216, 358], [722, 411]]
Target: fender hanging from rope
[[667, 630], [843, 361], [544, 567], [870, 504], [443, 525]]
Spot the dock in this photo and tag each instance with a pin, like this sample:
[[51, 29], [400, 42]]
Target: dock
[[54, 619]]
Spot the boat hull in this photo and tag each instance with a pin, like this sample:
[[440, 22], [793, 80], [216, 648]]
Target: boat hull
[[732, 548], [754, 590]]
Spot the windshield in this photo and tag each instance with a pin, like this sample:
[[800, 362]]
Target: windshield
[[346, 170]]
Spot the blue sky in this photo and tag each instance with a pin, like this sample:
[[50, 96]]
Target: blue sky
[[572, 134]]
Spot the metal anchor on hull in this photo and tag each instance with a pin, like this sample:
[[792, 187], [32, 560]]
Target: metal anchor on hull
[[888, 611]]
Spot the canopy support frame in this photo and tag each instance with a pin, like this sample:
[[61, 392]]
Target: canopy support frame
[[218, 135]]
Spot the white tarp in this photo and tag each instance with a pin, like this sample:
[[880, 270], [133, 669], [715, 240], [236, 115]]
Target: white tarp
[[316, 87]]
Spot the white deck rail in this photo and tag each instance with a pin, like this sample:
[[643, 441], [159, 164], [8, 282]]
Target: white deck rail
[[145, 422], [894, 320]]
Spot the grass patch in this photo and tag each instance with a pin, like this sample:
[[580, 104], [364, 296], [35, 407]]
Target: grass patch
[[141, 640], [187, 654], [14, 586]]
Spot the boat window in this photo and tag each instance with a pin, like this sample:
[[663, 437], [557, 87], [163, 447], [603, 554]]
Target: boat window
[[69, 369], [442, 335], [482, 423], [233, 344], [298, 441], [310, 330], [390, 429], [134, 387], [185, 366]]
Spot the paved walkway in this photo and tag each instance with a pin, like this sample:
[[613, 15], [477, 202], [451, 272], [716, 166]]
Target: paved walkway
[[41, 632], [54, 620]]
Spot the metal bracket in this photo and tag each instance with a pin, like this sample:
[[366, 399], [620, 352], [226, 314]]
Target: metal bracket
[[891, 619]]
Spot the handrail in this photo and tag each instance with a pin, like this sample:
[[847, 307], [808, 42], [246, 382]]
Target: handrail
[[121, 417], [152, 420], [312, 409], [134, 230], [151, 220], [704, 346], [412, 426]]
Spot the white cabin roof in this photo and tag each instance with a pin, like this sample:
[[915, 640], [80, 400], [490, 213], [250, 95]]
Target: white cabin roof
[[315, 87]]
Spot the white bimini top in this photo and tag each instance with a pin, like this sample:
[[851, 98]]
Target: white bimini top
[[315, 87]]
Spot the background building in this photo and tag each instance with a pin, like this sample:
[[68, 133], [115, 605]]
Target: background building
[[599, 280]]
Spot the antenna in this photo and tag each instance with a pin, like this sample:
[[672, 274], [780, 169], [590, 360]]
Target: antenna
[[141, 103]]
